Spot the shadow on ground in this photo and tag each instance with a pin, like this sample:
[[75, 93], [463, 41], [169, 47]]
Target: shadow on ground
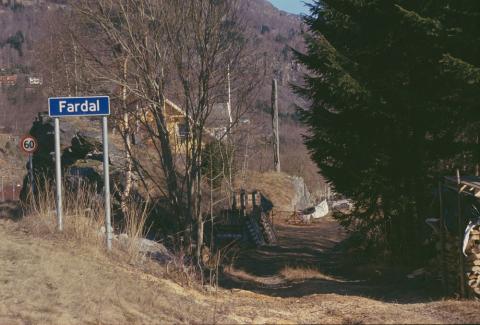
[[10, 210], [319, 247]]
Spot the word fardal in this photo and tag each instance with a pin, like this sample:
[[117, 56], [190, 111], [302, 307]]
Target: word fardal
[[86, 106]]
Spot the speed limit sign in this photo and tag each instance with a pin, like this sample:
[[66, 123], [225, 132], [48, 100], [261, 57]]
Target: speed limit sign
[[29, 144]]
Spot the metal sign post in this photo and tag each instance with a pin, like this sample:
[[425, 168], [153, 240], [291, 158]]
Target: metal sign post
[[30, 171], [83, 106], [106, 177], [29, 145], [58, 175]]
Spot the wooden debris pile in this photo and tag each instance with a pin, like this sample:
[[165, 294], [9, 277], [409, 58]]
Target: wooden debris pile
[[250, 219], [472, 262], [446, 266]]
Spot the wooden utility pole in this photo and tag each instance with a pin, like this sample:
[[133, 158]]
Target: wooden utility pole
[[276, 136], [229, 103]]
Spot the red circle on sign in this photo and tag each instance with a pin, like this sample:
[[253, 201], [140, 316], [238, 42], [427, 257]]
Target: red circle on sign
[[29, 144]]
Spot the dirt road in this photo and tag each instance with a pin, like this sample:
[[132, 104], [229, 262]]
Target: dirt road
[[316, 249], [45, 281]]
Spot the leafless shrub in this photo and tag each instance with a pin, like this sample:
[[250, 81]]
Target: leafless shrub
[[182, 269], [135, 228]]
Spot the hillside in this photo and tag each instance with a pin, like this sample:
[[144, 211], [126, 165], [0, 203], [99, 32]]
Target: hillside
[[22, 29]]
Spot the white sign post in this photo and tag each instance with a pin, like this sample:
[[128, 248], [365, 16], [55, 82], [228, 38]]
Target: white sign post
[[106, 173], [58, 176], [82, 106]]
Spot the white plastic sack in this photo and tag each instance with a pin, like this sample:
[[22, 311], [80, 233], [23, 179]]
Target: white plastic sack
[[321, 210]]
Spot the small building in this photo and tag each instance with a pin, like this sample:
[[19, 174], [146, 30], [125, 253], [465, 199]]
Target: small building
[[35, 81], [176, 120], [8, 80], [25, 3]]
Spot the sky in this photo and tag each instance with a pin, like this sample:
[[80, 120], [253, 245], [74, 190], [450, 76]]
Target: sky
[[292, 6]]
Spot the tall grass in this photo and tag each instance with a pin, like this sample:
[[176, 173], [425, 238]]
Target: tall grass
[[83, 217], [83, 224], [134, 226], [83, 212]]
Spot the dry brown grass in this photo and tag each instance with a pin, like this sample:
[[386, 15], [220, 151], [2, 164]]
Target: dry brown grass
[[46, 282], [276, 186], [135, 227], [298, 273], [83, 213], [83, 221], [245, 276]]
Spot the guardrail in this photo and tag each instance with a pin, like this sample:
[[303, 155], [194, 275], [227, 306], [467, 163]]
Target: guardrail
[[10, 192]]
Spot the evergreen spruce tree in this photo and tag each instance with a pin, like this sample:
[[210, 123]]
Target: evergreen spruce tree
[[394, 94]]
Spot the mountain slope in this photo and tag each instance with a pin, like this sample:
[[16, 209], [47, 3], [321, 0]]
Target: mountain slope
[[273, 33], [22, 28]]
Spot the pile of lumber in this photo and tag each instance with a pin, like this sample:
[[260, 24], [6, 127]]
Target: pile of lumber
[[472, 261], [446, 265]]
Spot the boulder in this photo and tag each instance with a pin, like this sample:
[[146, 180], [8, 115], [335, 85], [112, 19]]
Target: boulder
[[150, 248]]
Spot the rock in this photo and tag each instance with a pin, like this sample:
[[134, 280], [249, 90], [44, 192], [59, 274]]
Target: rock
[[155, 250], [82, 147], [209, 288], [150, 248], [301, 198]]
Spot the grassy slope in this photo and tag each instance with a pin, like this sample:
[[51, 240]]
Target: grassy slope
[[45, 282]]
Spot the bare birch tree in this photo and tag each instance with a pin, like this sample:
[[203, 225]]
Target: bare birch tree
[[145, 50], [133, 30], [205, 40]]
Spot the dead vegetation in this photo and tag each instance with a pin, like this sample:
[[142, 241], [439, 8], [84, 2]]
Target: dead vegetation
[[82, 215], [50, 282], [83, 223], [69, 278], [299, 273], [277, 187]]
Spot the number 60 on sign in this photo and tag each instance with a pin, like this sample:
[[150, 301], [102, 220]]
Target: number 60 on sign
[[29, 144]]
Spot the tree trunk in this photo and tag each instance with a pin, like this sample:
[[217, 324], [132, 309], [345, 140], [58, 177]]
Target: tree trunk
[[128, 146], [167, 157], [276, 136]]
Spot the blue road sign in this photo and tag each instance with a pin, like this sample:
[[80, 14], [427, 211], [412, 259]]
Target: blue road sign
[[79, 106]]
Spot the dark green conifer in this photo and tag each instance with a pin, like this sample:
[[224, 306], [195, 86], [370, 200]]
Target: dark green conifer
[[394, 91]]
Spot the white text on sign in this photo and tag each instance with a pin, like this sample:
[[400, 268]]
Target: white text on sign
[[79, 107]]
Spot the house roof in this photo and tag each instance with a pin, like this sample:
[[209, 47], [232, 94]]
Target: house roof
[[216, 124]]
